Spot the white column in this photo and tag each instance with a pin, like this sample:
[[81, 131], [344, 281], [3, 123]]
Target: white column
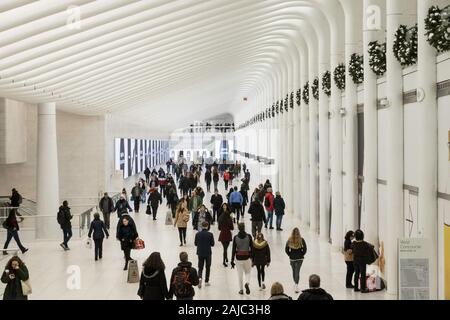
[[47, 172], [369, 215], [393, 147], [427, 133], [305, 163], [313, 163], [297, 159], [290, 156], [352, 12]]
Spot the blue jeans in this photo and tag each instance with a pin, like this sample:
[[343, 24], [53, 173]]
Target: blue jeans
[[67, 234], [269, 218], [13, 234], [296, 265], [279, 219]]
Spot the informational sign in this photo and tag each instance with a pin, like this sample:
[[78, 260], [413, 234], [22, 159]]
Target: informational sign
[[414, 269]]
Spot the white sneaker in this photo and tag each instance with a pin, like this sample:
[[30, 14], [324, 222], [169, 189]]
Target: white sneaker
[[296, 288]]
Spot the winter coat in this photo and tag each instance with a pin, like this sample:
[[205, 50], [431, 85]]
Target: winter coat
[[121, 207], [256, 210], [64, 217], [99, 230], [11, 221], [216, 177], [154, 199], [216, 201], [13, 290], [296, 253], [16, 199], [172, 196], [136, 192], [225, 227], [179, 221], [196, 222], [193, 278], [260, 253], [362, 251], [127, 235], [184, 183], [208, 176], [236, 197], [191, 205], [109, 204], [280, 297], [269, 196], [242, 246], [153, 285], [204, 240], [147, 172], [226, 176], [244, 194], [315, 294], [279, 206]]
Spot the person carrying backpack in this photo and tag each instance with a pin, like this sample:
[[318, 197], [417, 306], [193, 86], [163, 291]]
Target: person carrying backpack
[[64, 217], [183, 280]]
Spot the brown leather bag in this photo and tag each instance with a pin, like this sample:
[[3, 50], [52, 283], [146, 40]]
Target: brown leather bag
[[348, 255]]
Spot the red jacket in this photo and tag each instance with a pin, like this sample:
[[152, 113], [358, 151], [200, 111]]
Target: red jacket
[[226, 176], [269, 196]]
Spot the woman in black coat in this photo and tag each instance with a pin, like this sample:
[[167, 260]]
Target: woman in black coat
[[12, 231], [260, 258], [126, 234], [15, 272], [153, 283], [99, 230]]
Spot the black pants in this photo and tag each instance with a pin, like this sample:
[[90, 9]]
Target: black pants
[[225, 245], [261, 273], [236, 208], [126, 253], [67, 234], [215, 214], [10, 235], [201, 263], [173, 208], [98, 248], [360, 274], [106, 219], [350, 271], [208, 186], [154, 211], [215, 186], [226, 184], [162, 189], [137, 202], [147, 179], [182, 234]]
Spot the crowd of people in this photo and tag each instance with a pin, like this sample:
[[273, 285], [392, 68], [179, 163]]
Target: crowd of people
[[188, 205]]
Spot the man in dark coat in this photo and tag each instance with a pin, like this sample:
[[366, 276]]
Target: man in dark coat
[[136, 194], [184, 278], [106, 206], [279, 206], [258, 215], [204, 240], [315, 292], [122, 206], [154, 200], [16, 201], [216, 201], [147, 174], [208, 178], [64, 218]]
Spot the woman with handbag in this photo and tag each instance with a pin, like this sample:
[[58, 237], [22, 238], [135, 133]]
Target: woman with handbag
[[181, 220], [348, 257], [16, 278], [126, 234]]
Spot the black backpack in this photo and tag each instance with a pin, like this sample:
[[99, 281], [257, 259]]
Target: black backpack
[[181, 282], [60, 217]]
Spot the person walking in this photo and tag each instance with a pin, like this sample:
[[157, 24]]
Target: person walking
[[315, 292], [204, 241], [361, 253], [226, 179], [279, 206], [236, 202], [126, 234], [16, 200], [99, 229], [136, 196], [106, 206], [277, 292], [208, 178], [183, 280], [216, 178], [12, 231], [244, 193], [172, 198], [153, 283], [242, 252], [268, 204], [201, 216], [154, 200], [258, 216], [122, 206], [63, 218], [14, 274], [225, 237], [348, 258], [261, 258], [147, 174], [296, 250], [216, 202], [181, 220], [195, 202]]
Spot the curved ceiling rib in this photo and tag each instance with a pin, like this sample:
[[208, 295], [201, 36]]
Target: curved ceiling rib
[[148, 56]]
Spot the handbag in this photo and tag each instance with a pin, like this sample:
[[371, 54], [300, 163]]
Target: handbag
[[139, 244], [133, 272], [169, 220], [26, 287], [89, 243], [149, 210], [373, 256]]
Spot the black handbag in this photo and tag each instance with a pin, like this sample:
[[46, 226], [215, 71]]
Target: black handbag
[[373, 255], [149, 210]]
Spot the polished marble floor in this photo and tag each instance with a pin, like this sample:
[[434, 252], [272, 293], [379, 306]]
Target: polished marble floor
[[52, 276]]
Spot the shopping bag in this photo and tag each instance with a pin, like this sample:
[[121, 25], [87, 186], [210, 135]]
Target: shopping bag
[[133, 272], [26, 287], [169, 220], [139, 244], [149, 210], [89, 243]]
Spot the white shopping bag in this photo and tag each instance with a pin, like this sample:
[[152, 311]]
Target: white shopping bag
[[133, 272], [89, 243], [169, 220]]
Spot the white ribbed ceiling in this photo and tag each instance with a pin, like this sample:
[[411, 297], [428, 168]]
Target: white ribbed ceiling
[[149, 60]]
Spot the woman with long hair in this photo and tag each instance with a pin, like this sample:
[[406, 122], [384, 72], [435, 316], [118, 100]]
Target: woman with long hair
[[261, 258], [225, 227], [296, 250], [348, 258], [153, 283], [181, 219], [15, 272]]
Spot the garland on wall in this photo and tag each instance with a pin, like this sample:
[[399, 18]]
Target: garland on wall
[[437, 26], [273, 110], [377, 57], [277, 107], [326, 83], [339, 76], [281, 106], [405, 45], [305, 94], [299, 96], [356, 68], [315, 88], [286, 103], [291, 100]]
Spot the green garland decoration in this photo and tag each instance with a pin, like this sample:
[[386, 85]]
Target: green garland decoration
[[305, 94], [291, 100], [356, 68], [286, 103], [437, 26], [315, 88], [326, 83], [405, 45], [298, 95], [377, 57], [339, 76]]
